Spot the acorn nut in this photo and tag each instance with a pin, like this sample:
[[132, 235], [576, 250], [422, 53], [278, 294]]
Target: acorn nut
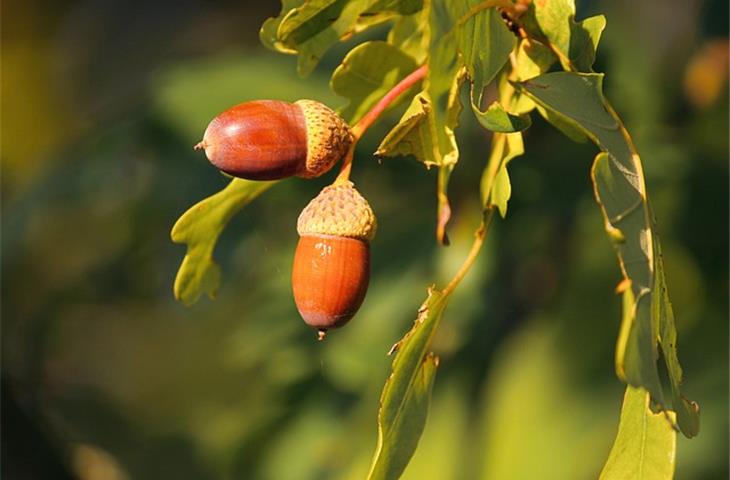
[[332, 260], [271, 139]]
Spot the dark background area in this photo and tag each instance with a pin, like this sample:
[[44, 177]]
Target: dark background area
[[105, 376]]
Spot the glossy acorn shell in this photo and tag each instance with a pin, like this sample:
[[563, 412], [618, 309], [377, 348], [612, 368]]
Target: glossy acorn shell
[[258, 140], [330, 279]]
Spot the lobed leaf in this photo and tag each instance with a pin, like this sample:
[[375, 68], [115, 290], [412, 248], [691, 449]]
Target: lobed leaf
[[485, 43], [496, 188], [406, 394], [199, 227], [497, 119], [620, 191], [646, 444], [530, 59], [413, 135], [410, 33], [366, 74], [575, 44], [310, 28]]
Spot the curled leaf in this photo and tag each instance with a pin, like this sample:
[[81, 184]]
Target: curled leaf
[[620, 191]]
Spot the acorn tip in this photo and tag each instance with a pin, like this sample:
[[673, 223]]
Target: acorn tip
[[200, 145], [321, 334]]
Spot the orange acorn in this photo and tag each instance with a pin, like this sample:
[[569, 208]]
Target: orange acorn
[[271, 139], [332, 260]]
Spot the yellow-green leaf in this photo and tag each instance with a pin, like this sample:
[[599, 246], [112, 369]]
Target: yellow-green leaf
[[406, 394], [410, 33], [574, 43], [310, 28], [199, 228], [366, 75], [495, 184], [497, 119], [646, 444], [413, 135]]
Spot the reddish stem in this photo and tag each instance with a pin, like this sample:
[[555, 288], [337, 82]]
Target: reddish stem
[[369, 118]]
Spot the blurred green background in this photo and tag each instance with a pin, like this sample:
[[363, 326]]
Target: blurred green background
[[105, 376]]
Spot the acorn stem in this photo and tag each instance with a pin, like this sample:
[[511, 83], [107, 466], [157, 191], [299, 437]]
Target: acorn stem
[[344, 175], [371, 116]]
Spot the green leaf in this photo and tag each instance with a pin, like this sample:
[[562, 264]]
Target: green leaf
[[366, 74], [485, 43], [496, 119], [268, 33], [410, 33], [584, 42], [413, 135], [495, 185], [620, 191], [567, 127], [688, 414], [401, 7], [406, 394], [646, 444], [310, 28], [552, 21], [199, 228], [531, 59]]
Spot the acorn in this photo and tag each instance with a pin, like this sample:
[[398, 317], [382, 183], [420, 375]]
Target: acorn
[[332, 260], [271, 139]]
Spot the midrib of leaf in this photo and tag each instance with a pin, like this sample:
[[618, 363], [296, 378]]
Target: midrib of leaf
[[642, 450]]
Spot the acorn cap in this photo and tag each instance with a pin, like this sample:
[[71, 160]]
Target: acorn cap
[[328, 137], [338, 210]]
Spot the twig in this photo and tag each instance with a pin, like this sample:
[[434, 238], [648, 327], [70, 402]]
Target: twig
[[370, 117]]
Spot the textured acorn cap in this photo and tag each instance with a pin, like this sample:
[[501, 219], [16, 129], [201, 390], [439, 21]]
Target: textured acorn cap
[[338, 210], [328, 137]]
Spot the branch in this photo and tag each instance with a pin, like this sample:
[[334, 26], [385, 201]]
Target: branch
[[369, 118]]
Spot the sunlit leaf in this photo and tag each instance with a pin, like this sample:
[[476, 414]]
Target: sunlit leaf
[[410, 33], [366, 74], [401, 7], [485, 43], [268, 32], [531, 59], [495, 184], [310, 28], [426, 131], [621, 193], [406, 394], [496, 119], [199, 228], [413, 135], [646, 443], [574, 43], [584, 42]]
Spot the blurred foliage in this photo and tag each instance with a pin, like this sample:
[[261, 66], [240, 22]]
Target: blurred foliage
[[106, 376]]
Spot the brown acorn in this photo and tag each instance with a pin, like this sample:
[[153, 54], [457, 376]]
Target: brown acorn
[[271, 139], [332, 261]]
